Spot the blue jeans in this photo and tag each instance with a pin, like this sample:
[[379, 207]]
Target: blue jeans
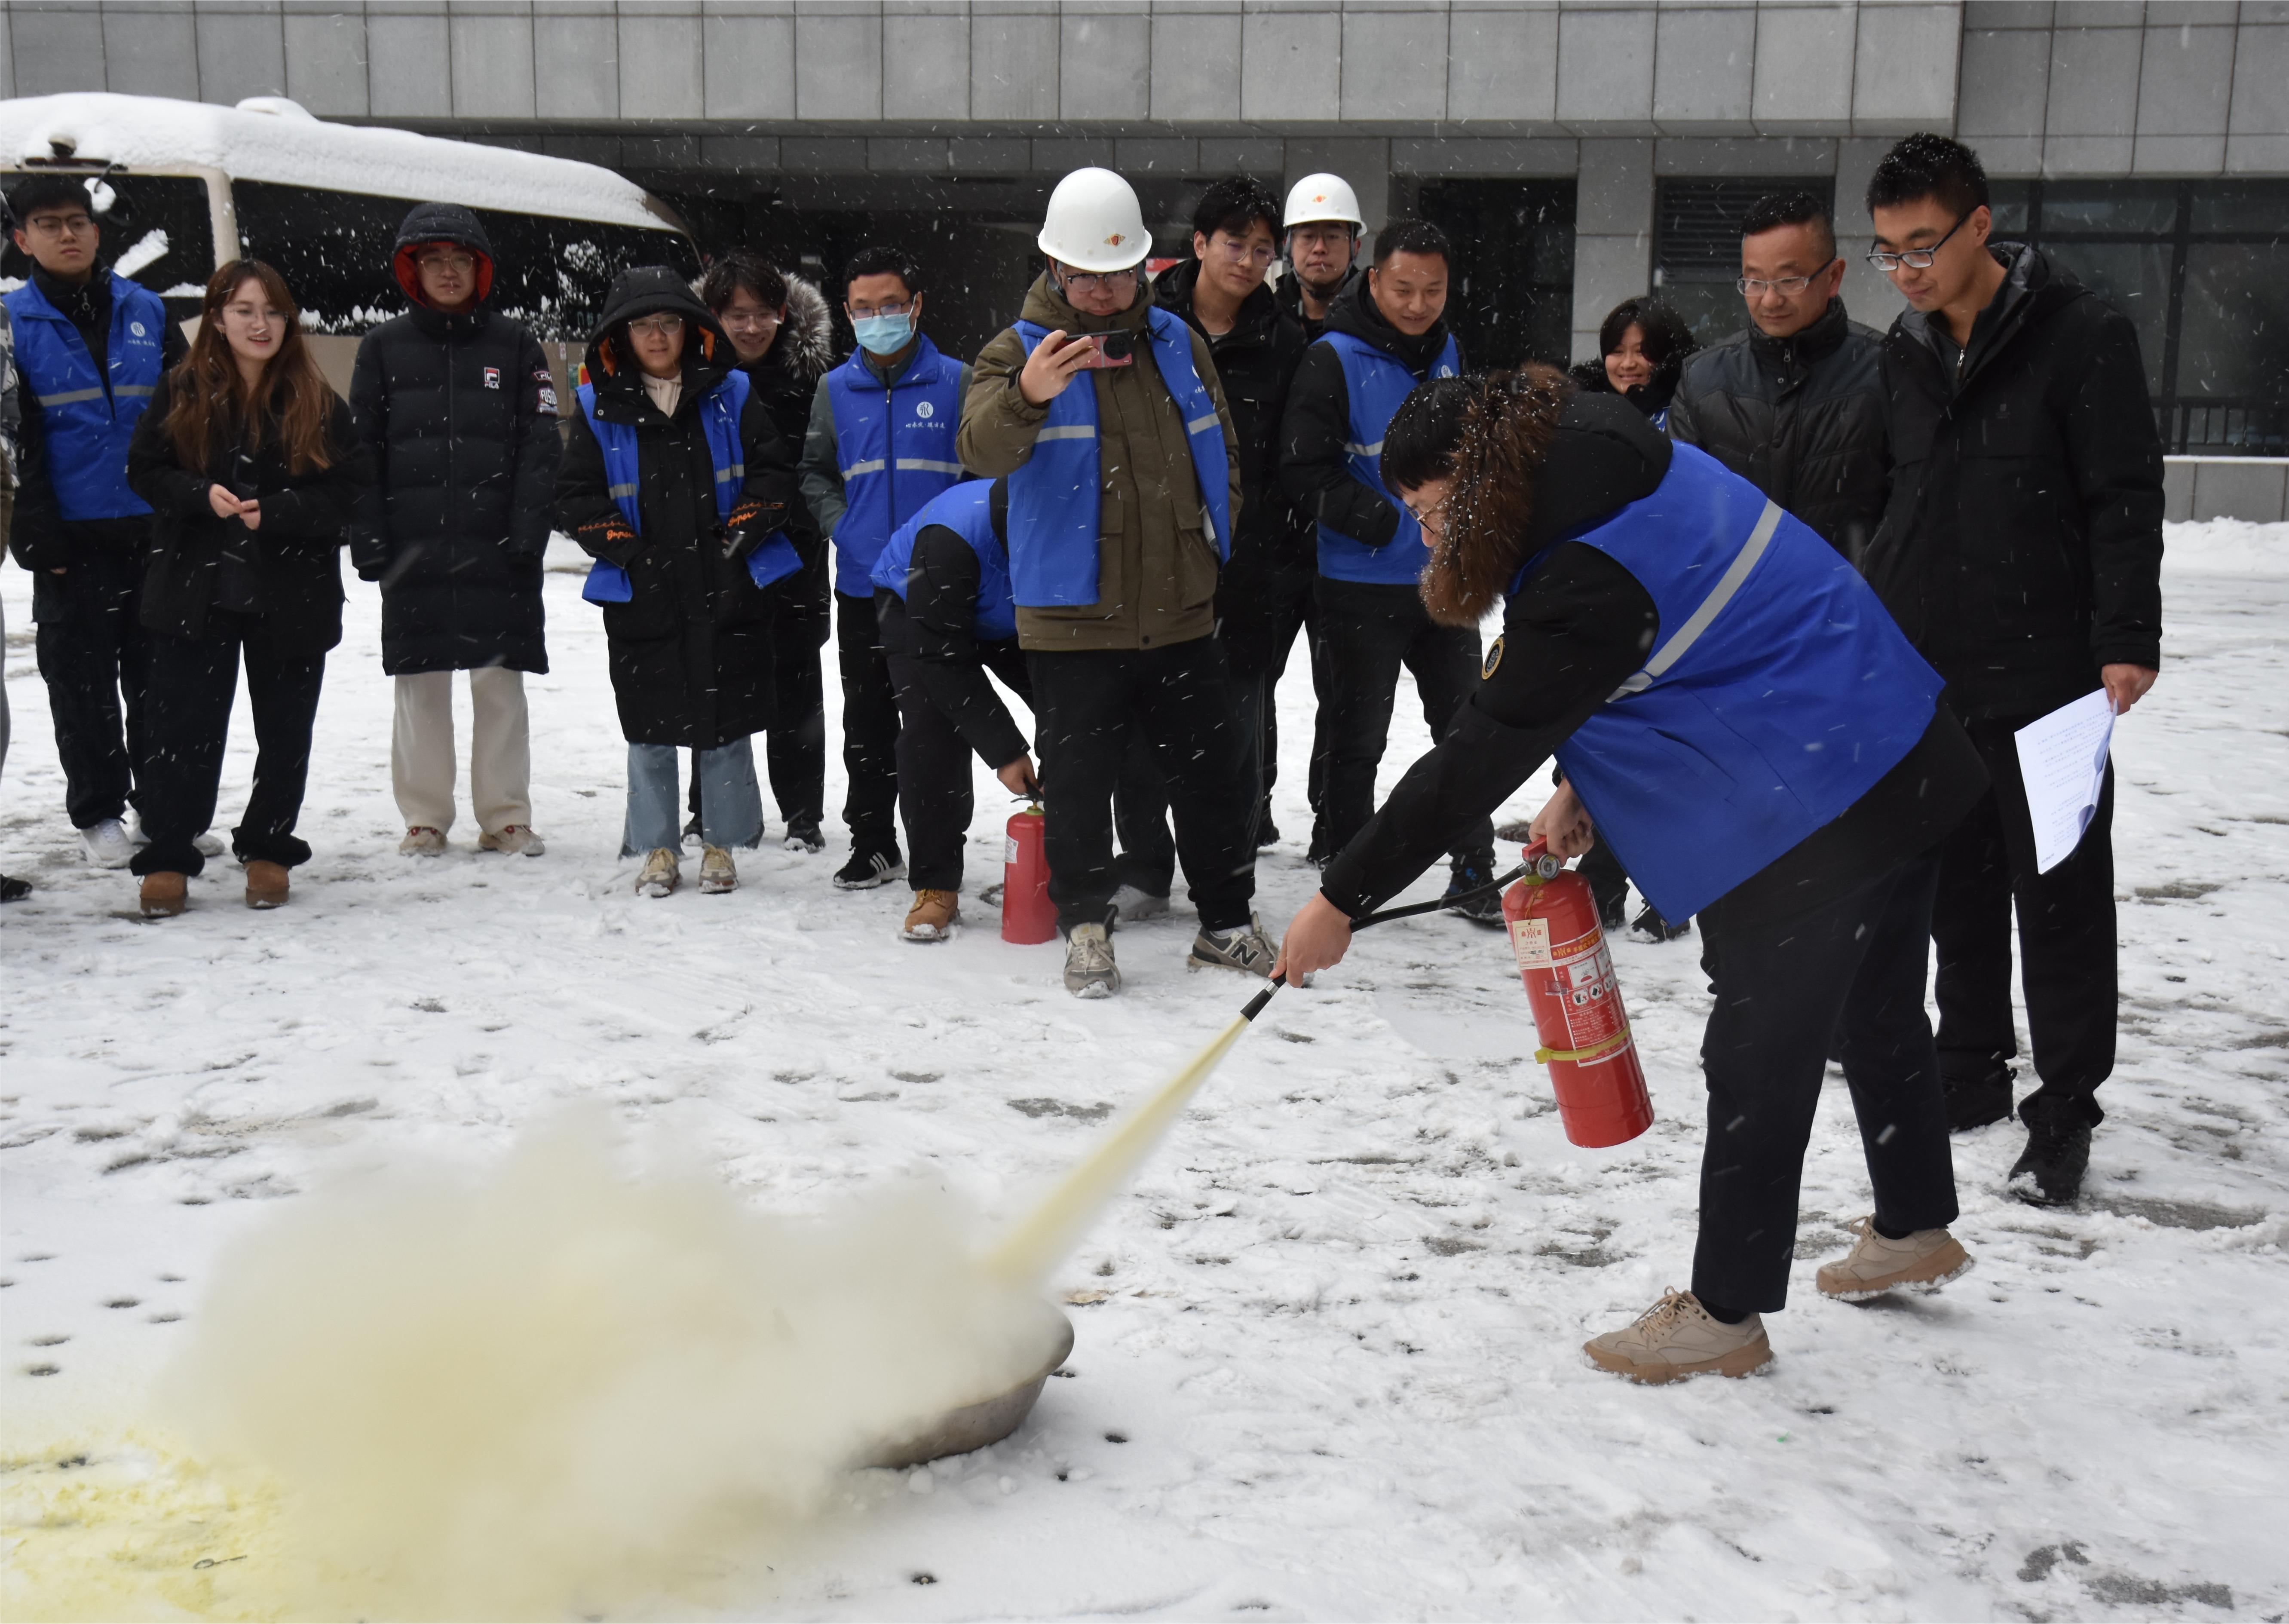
[[730, 802]]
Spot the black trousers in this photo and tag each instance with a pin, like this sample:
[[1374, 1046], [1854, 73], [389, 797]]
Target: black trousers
[[1855, 967], [1087, 706], [2066, 943], [869, 726], [1369, 632], [192, 683], [794, 748], [1260, 609], [935, 797], [94, 655]]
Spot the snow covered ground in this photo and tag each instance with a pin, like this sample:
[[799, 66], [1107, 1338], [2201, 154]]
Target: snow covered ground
[[1327, 1361]]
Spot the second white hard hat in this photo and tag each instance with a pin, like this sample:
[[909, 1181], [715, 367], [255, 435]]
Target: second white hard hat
[[1093, 223], [1322, 197]]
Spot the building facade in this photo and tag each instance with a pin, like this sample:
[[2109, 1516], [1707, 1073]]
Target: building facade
[[1584, 152]]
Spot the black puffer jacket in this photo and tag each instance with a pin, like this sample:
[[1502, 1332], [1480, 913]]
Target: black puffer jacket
[[460, 413], [288, 572], [1258, 361], [690, 651], [1314, 465], [788, 380], [2022, 546], [1801, 418], [1651, 399]]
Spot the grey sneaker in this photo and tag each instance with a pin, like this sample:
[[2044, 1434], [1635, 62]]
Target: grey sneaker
[[1243, 947], [1130, 905], [717, 873], [1923, 1261], [1676, 1338], [1089, 969]]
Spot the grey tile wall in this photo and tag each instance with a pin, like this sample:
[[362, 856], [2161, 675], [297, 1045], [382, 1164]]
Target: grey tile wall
[[326, 59]]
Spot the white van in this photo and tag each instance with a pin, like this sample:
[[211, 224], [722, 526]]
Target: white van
[[182, 188]]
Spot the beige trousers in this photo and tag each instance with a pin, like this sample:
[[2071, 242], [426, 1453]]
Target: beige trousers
[[500, 750]]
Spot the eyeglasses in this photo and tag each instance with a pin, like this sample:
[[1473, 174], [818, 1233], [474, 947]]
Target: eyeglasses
[[1756, 286], [58, 225], [1243, 253], [1917, 259], [656, 327], [447, 261], [900, 309], [1421, 513], [1089, 281]]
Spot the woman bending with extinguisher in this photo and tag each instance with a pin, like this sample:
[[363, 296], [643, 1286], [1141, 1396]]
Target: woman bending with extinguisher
[[677, 483], [1739, 718], [252, 467]]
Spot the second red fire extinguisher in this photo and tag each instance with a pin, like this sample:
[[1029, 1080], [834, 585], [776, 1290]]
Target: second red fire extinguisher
[[1577, 1005], [1027, 914]]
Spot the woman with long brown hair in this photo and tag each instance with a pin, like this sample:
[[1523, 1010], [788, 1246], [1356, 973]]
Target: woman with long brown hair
[[251, 467]]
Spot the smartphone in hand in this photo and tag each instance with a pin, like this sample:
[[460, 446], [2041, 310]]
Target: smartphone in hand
[[1112, 349]]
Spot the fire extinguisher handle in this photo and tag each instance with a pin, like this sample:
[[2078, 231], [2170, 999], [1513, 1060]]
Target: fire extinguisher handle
[[1412, 909]]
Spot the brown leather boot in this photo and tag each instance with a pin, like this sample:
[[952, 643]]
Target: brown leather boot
[[164, 895], [266, 884]]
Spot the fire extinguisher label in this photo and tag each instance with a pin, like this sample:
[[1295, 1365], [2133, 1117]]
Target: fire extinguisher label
[[1010, 849], [1586, 990], [1529, 939]]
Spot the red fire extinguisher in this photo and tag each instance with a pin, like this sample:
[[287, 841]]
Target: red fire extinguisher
[[1027, 913], [1578, 1004]]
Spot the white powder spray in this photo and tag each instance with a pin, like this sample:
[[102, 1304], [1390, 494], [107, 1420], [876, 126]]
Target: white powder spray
[[553, 1387]]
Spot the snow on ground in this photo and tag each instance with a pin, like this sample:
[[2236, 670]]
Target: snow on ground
[[1326, 1364]]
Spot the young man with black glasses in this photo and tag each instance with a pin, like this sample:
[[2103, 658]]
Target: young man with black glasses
[[2021, 550], [1793, 403]]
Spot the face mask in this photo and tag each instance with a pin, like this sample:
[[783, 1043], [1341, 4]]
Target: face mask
[[884, 335]]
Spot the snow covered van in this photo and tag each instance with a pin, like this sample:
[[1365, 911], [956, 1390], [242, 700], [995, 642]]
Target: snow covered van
[[180, 188]]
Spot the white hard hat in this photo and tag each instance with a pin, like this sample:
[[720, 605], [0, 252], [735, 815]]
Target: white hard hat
[[1322, 197], [1093, 223]]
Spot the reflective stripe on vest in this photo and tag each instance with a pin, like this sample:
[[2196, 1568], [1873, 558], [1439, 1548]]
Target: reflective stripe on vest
[[1376, 384], [90, 416], [899, 437], [968, 511], [1783, 693], [1055, 494], [719, 426]]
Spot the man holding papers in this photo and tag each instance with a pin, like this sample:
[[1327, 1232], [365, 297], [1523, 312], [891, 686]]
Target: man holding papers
[[2021, 551]]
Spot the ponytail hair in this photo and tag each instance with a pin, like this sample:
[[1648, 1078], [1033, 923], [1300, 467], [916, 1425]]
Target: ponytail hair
[[1487, 433], [210, 403]]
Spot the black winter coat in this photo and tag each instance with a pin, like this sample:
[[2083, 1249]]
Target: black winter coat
[[1256, 360], [2021, 546], [1801, 418], [459, 411], [788, 380], [690, 651], [1313, 463], [288, 572]]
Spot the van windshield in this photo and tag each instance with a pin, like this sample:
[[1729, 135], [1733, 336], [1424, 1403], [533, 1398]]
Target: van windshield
[[334, 248]]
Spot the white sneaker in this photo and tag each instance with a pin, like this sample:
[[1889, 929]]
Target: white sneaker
[[108, 844], [717, 873], [1131, 904], [422, 841], [1089, 969], [210, 845]]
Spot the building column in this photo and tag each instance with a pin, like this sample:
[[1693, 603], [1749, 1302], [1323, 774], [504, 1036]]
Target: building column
[[1613, 233], [1868, 293]]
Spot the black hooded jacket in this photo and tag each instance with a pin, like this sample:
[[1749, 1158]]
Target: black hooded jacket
[[1313, 463], [1801, 418], [1651, 399], [460, 413], [1258, 361], [1579, 626], [690, 651], [2021, 548], [1290, 295]]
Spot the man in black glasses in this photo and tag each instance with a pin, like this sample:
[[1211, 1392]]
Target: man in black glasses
[[2021, 550], [1793, 405]]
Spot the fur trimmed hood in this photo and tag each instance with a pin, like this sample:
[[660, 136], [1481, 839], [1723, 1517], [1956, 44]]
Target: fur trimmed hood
[[807, 337], [1504, 437]]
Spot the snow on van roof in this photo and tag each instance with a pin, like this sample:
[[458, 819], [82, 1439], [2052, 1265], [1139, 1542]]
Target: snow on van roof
[[269, 137]]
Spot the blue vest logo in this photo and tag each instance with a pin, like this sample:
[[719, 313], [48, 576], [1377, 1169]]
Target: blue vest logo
[[1376, 383], [896, 443]]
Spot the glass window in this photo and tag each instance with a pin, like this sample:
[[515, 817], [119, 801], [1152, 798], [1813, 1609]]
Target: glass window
[[1697, 245], [1512, 297], [157, 232], [2258, 207], [2135, 278], [2126, 208], [334, 250], [2235, 337], [2011, 203]]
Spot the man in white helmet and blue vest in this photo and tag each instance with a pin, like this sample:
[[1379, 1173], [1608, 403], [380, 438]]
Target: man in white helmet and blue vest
[[881, 446], [1106, 416]]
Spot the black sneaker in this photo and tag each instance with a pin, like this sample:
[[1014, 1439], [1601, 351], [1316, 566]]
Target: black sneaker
[[806, 836], [692, 831], [1650, 926], [2049, 1171], [13, 890], [869, 869], [1613, 910], [1977, 1094], [1484, 908]]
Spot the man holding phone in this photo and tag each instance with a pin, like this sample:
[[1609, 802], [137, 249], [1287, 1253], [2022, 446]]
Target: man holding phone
[[1105, 415]]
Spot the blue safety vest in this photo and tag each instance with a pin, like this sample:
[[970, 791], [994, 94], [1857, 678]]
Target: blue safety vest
[[1055, 493], [719, 422], [1376, 384], [1780, 690], [88, 416], [968, 511], [896, 444]]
